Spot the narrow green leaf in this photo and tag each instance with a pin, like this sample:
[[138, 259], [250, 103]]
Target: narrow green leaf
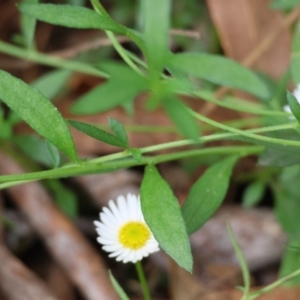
[[64, 197], [272, 157], [36, 148], [219, 70], [117, 287], [179, 114], [119, 90], [290, 262], [287, 210], [284, 4], [207, 194], [38, 112], [76, 17], [119, 130], [52, 83], [28, 25], [54, 154], [162, 214], [253, 194], [295, 57], [294, 105], [241, 259], [70, 16], [156, 15], [98, 133]]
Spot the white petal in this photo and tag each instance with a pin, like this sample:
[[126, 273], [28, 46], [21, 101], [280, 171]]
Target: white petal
[[111, 248]]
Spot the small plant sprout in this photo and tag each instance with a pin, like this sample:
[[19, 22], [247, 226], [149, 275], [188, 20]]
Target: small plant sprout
[[123, 231]]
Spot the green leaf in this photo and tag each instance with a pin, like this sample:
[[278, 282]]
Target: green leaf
[[219, 70], [295, 57], [287, 212], [28, 25], [178, 112], [119, 130], [37, 149], [54, 154], [294, 105], [52, 83], [70, 16], [253, 193], [207, 194], [162, 214], [76, 17], [64, 198], [117, 287], [119, 90], [272, 157], [38, 112], [290, 262], [156, 15], [98, 133], [284, 4]]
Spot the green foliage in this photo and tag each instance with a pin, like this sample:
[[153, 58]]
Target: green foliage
[[52, 83], [279, 157], [295, 59], [162, 214], [75, 17], [219, 70], [99, 134], [253, 193], [163, 77], [284, 4], [294, 105], [119, 130], [117, 287], [122, 87], [156, 18], [38, 112], [28, 25], [179, 114], [39, 150], [207, 194], [64, 197]]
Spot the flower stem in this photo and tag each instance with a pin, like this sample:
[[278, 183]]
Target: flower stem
[[142, 280]]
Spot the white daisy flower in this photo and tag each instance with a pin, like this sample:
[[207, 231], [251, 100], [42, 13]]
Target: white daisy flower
[[123, 231], [296, 93]]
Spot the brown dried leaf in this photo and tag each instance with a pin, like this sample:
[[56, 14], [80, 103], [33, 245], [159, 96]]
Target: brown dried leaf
[[244, 24]]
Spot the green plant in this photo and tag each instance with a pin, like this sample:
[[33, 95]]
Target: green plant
[[276, 144]]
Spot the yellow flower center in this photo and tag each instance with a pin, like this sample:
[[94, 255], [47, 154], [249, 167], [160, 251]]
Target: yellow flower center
[[134, 235]]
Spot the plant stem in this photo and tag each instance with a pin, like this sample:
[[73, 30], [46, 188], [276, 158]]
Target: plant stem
[[142, 280], [49, 60], [92, 167], [118, 47], [273, 285], [245, 133]]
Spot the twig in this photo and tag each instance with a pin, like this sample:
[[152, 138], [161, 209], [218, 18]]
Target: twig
[[17, 282]]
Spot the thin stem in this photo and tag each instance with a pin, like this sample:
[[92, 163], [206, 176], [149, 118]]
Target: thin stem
[[92, 167], [273, 285], [49, 60], [142, 280], [118, 47], [244, 133]]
